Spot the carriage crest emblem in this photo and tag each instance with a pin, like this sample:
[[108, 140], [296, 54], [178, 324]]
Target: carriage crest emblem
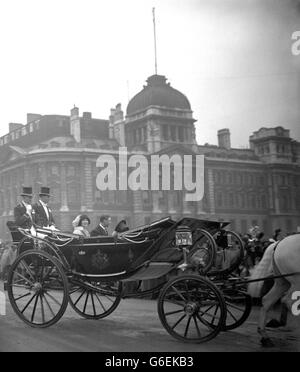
[[100, 260]]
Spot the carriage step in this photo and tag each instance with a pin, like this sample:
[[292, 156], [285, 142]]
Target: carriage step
[[5, 286]]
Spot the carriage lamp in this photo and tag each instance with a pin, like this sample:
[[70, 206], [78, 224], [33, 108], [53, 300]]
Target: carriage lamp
[[184, 239], [183, 236]]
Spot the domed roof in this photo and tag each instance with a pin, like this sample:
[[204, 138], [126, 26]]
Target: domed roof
[[158, 93]]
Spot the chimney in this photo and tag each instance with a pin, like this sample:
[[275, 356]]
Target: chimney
[[75, 111], [14, 126], [87, 115], [119, 115], [224, 138], [75, 128], [33, 117]]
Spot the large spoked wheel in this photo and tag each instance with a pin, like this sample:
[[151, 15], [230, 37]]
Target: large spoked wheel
[[95, 300], [192, 309], [38, 289], [239, 305], [230, 253], [203, 251]]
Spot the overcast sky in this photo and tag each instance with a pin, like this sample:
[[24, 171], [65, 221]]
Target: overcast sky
[[231, 58]]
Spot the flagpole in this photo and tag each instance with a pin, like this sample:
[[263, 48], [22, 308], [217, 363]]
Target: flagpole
[[155, 49]]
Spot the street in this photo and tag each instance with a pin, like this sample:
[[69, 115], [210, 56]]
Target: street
[[133, 327]]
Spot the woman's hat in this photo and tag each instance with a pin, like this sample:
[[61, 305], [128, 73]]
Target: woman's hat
[[27, 191], [45, 191]]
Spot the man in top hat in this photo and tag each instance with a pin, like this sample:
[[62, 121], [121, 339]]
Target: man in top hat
[[42, 213], [23, 212]]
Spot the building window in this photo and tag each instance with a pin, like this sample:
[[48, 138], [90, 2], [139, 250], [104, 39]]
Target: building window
[[173, 134], [181, 134], [220, 200], [146, 198], [264, 202]]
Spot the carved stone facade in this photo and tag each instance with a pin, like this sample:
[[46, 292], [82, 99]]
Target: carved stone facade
[[256, 186]]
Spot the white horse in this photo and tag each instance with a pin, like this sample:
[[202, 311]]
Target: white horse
[[284, 260]]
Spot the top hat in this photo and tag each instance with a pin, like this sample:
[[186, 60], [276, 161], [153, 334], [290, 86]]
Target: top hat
[[27, 191], [45, 191]]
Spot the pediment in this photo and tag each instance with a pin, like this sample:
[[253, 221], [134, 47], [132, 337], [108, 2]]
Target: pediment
[[11, 153]]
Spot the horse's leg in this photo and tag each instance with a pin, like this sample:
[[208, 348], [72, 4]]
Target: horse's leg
[[269, 300]]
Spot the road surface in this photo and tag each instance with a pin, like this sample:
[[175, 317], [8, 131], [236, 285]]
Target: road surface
[[134, 326]]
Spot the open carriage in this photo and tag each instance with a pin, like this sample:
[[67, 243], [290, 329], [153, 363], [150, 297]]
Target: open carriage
[[54, 269]]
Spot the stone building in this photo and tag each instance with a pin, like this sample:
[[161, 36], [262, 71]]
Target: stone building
[[256, 186]]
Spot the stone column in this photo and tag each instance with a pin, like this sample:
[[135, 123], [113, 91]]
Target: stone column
[[44, 174], [27, 176], [5, 202], [63, 188], [211, 192], [88, 186], [137, 204], [171, 208], [200, 210]]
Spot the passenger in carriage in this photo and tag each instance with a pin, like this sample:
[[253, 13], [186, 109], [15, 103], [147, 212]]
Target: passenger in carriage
[[101, 229], [81, 224], [121, 227], [42, 213], [23, 212]]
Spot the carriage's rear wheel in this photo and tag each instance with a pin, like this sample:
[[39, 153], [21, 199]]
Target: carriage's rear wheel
[[203, 251], [38, 289], [192, 309], [95, 300], [239, 305]]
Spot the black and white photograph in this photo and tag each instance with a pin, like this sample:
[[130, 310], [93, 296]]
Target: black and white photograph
[[150, 178]]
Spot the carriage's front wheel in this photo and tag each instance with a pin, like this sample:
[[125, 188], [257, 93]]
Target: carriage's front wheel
[[192, 309], [38, 289], [95, 300]]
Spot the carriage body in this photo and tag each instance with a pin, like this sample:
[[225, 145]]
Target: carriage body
[[91, 274]]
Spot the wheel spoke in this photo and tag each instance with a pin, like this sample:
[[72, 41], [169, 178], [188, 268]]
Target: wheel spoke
[[34, 308], [174, 312], [100, 302], [210, 315], [28, 303], [205, 322], [50, 308], [197, 327], [53, 299], [178, 321], [86, 301], [174, 302], [230, 313], [187, 290], [20, 297], [23, 277], [112, 301], [42, 309], [234, 307], [79, 298], [209, 308], [187, 326], [93, 303], [179, 294], [75, 290], [27, 268]]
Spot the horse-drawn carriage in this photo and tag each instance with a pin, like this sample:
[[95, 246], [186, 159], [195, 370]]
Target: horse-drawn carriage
[[53, 269]]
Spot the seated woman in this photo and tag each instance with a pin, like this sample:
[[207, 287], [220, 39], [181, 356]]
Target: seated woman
[[121, 227], [81, 224]]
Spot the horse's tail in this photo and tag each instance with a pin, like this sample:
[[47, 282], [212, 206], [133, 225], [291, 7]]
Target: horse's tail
[[262, 270]]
